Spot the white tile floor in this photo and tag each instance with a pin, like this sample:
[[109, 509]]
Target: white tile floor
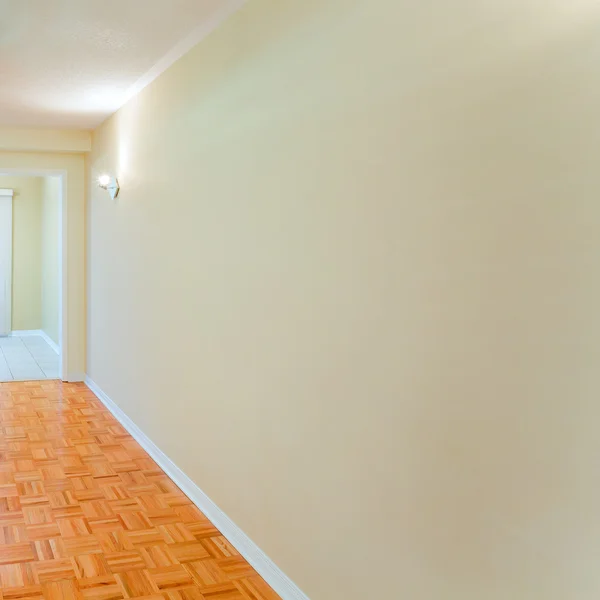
[[26, 359]]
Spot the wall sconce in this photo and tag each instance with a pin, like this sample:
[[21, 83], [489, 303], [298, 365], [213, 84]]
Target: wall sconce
[[110, 184]]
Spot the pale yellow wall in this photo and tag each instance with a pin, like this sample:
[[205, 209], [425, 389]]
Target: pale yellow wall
[[350, 287], [72, 167], [51, 197], [44, 140], [26, 274]]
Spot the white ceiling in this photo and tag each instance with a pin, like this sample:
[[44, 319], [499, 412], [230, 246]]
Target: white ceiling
[[72, 63]]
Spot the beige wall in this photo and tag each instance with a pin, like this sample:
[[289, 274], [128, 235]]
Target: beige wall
[[26, 276], [44, 140], [72, 167], [51, 198], [350, 286]]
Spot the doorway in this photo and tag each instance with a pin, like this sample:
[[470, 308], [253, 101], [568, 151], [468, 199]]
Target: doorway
[[31, 276]]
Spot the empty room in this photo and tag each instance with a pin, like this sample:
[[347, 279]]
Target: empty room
[[298, 299]]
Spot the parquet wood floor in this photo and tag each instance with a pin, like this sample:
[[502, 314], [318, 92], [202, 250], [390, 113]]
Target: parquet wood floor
[[85, 513]]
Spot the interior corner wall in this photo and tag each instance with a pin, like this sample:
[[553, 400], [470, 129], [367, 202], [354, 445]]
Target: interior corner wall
[[350, 286], [50, 272], [26, 275]]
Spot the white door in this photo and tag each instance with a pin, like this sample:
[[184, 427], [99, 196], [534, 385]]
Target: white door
[[6, 197]]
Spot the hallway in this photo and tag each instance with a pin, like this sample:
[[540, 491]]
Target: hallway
[[27, 358], [85, 513]]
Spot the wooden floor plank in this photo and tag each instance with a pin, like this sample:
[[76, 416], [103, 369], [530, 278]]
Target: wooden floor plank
[[85, 513]]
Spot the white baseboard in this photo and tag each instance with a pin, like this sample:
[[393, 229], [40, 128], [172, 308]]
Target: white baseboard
[[40, 333], [51, 343], [265, 567], [25, 332]]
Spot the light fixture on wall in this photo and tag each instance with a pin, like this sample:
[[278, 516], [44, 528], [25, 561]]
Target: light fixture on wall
[[110, 184]]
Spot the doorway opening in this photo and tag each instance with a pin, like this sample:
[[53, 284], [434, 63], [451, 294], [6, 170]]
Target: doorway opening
[[32, 283]]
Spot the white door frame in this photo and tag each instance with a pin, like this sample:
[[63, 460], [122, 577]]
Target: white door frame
[[6, 193], [63, 337]]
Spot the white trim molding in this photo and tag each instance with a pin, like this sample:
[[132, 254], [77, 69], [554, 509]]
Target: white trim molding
[[264, 566], [37, 332], [225, 10]]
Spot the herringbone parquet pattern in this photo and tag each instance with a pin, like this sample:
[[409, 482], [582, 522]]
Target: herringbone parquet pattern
[[85, 513]]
